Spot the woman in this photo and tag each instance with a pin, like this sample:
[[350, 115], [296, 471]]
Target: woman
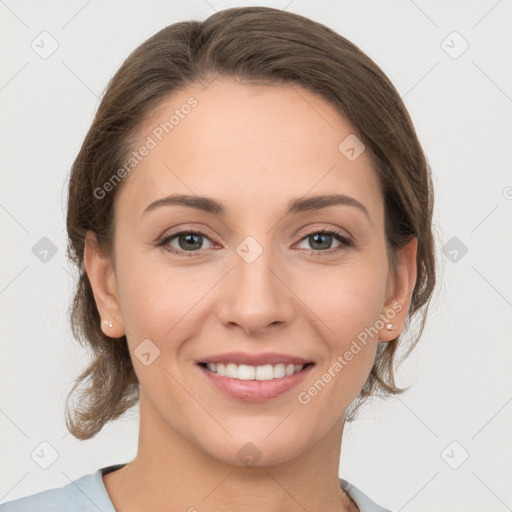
[[251, 214]]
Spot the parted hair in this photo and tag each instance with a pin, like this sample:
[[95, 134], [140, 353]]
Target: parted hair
[[256, 45]]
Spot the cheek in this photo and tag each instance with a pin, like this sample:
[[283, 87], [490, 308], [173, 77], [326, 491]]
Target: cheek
[[347, 303], [348, 315], [346, 299], [153, 296], [153, 307]]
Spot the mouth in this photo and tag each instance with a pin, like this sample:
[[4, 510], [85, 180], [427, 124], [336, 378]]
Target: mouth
[[254, 383], [249, 372]]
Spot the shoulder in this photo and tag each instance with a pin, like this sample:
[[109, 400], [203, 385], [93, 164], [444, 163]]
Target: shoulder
[[364, 503], [88, 494], [85, 494]]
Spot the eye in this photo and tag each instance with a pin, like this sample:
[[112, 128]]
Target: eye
[[325, 237], [191, 242], [186, 240]]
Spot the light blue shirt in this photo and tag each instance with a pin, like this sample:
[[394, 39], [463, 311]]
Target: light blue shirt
[[88, 494]]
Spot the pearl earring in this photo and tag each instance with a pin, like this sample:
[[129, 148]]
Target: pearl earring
[[390, 327], [108, 323]]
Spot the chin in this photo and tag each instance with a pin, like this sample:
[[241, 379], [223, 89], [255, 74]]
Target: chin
[[247, 452]]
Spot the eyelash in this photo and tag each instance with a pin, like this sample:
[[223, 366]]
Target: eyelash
[[345, 242]]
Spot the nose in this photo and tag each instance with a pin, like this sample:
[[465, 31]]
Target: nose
[[256, 295]]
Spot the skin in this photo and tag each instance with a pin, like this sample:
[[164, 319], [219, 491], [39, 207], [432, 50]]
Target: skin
[[239, 143]]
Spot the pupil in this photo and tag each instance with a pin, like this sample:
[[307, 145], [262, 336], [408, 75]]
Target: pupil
[[319, 235], [190, 236]]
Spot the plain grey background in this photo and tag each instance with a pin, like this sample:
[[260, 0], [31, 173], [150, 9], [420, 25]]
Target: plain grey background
[[444, 445]]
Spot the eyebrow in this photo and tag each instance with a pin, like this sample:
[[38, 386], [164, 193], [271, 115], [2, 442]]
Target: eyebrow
[[298, 205]]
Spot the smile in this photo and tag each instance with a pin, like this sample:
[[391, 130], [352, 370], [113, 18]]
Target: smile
[[254, 383], [248, 372]]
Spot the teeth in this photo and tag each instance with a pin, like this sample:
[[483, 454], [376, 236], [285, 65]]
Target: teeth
[[247, 372], [278, 371], [231, 371]]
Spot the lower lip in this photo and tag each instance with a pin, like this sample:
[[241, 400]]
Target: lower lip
[[255, 390]]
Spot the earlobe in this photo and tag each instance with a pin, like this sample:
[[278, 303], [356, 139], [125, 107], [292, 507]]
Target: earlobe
[[403, 282], [103, 281]]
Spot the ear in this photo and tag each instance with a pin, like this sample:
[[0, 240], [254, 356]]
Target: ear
[[100, 272], [399, 290]]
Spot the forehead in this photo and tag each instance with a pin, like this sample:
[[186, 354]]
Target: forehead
[[249, 146]]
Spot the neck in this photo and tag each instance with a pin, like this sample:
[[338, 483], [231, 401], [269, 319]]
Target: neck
[[171, 474]]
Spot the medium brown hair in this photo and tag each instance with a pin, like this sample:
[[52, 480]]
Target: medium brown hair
[[255, 45]]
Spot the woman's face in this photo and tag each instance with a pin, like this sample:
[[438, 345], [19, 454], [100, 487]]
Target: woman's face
[[258, 278]]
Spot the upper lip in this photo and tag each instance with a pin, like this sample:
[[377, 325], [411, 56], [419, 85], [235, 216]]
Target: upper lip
[[238, 358]]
